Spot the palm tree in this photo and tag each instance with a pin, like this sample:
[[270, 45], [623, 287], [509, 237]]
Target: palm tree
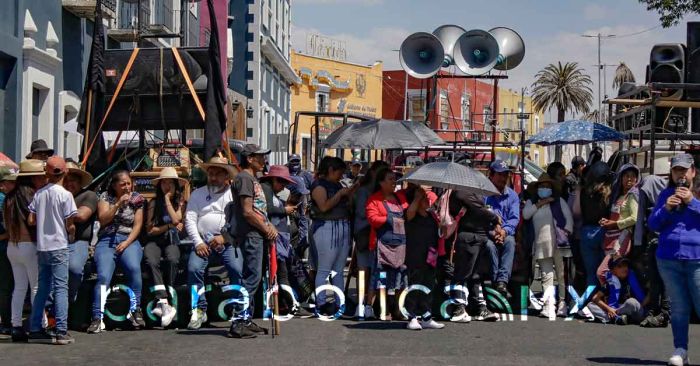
[[623, 74], [562, 86]]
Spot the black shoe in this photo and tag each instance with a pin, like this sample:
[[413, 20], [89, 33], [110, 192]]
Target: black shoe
[[502, 288], [240, 330], [41, 336], [300, 312], [655, 321], [137, 319], [327, 309], [64, 339], [96, 326], [486, 315], [255, 328], [19, 335], [621, 320], [5, 332]]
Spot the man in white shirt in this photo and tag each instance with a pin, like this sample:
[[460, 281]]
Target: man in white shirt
[[204, 219], [52, 211]]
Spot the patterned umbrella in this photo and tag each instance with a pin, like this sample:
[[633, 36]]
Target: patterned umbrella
[[382, 134], [453, 176], [7, 162], [575, 132]]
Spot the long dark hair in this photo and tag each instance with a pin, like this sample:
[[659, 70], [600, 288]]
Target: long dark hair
[[159, 210], [113, 178], [368, 178], [328, 163], [16, 208], [381, 175]]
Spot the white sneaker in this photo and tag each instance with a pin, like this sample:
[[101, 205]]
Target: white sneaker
[[369, 312], [158, 310], [679, 358], [431, 324], [461, 317], [562, 309], [549, 310], [414, 324], [169, 313]]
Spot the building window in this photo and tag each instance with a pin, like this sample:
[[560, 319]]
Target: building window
[[537, 124], [38, 110], [444, 111], [322, 102], [264, 79], [487, 114], [416, 110], [279, 92], [466, 120]]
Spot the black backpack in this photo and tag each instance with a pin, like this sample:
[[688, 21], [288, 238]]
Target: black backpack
[[230, 229]]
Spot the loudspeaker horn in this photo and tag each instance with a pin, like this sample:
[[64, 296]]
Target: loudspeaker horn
[[476, 52], [421, 55], [448, 35], [511, 48]]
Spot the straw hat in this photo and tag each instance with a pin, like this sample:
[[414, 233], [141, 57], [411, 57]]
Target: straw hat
[[7, 174], [74, 168], [169, 173], [544, 178], [31, 167], [219, 162]]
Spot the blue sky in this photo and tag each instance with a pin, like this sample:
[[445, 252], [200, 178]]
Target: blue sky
[[551, 29]]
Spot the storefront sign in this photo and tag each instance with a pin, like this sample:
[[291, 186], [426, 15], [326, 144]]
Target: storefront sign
[[324, 47]]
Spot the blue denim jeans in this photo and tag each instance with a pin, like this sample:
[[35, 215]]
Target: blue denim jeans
[[682, 281], [501, 259], [197, 266], [53, 279], [331, 245], [592, 251], [106, 259], [78, 255]]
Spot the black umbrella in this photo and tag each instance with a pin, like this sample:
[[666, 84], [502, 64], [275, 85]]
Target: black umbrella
[[382, 134]]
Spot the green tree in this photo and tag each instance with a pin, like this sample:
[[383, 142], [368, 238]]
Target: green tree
[[671, 12], [562, 86]]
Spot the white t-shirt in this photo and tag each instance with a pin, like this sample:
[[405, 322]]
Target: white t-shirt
[[52, 205], [205, 213]]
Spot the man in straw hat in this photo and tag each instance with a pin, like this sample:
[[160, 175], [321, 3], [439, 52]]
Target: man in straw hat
[[40, 150], [7, 184], [204, 219], [86, 201], [52, 211], [252, 229]]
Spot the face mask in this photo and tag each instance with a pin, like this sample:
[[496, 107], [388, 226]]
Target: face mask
[[544, 192], [294, 169]]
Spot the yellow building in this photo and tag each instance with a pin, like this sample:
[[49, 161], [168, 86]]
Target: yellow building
[[332, 86], [510, 103]]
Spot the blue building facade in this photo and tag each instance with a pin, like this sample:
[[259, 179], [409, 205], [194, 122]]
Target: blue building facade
[[260, 31]]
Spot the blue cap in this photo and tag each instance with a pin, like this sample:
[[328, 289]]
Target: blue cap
[[294, 157], [682, 160], [499, 166], [298, 187], [356, 161]]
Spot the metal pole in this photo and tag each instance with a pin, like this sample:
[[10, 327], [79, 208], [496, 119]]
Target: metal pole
[[599, 66], [493, 123], [405, 96]]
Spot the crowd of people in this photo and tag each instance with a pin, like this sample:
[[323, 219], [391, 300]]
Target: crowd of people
[[634, 241]]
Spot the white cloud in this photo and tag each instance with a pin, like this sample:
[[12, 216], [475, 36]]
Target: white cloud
[[594, 12]]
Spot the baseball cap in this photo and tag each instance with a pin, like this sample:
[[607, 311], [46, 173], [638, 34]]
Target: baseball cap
[[294, 157], [577, 161], [356, 161], [682, 160], [499, 166], [55, 165], [252, 149]]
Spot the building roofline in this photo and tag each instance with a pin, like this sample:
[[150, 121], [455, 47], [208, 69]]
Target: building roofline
[[338, 61]]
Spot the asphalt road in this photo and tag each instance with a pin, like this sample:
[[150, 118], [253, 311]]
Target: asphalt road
[[313, 342]]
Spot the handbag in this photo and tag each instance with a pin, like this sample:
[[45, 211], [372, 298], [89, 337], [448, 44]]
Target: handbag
[[562, 237], [392, 256]]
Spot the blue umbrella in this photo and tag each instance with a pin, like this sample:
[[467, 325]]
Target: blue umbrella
[[575, 132]]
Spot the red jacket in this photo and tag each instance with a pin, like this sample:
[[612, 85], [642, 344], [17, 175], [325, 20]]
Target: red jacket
[[377, 215]]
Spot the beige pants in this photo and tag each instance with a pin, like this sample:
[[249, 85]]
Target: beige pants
[[547, 267]]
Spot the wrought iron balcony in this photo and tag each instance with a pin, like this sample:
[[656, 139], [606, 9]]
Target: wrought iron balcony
[[86, 8], [163, 17], [133, 18]]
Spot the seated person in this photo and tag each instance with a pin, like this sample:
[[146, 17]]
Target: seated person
[[614, 302]]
